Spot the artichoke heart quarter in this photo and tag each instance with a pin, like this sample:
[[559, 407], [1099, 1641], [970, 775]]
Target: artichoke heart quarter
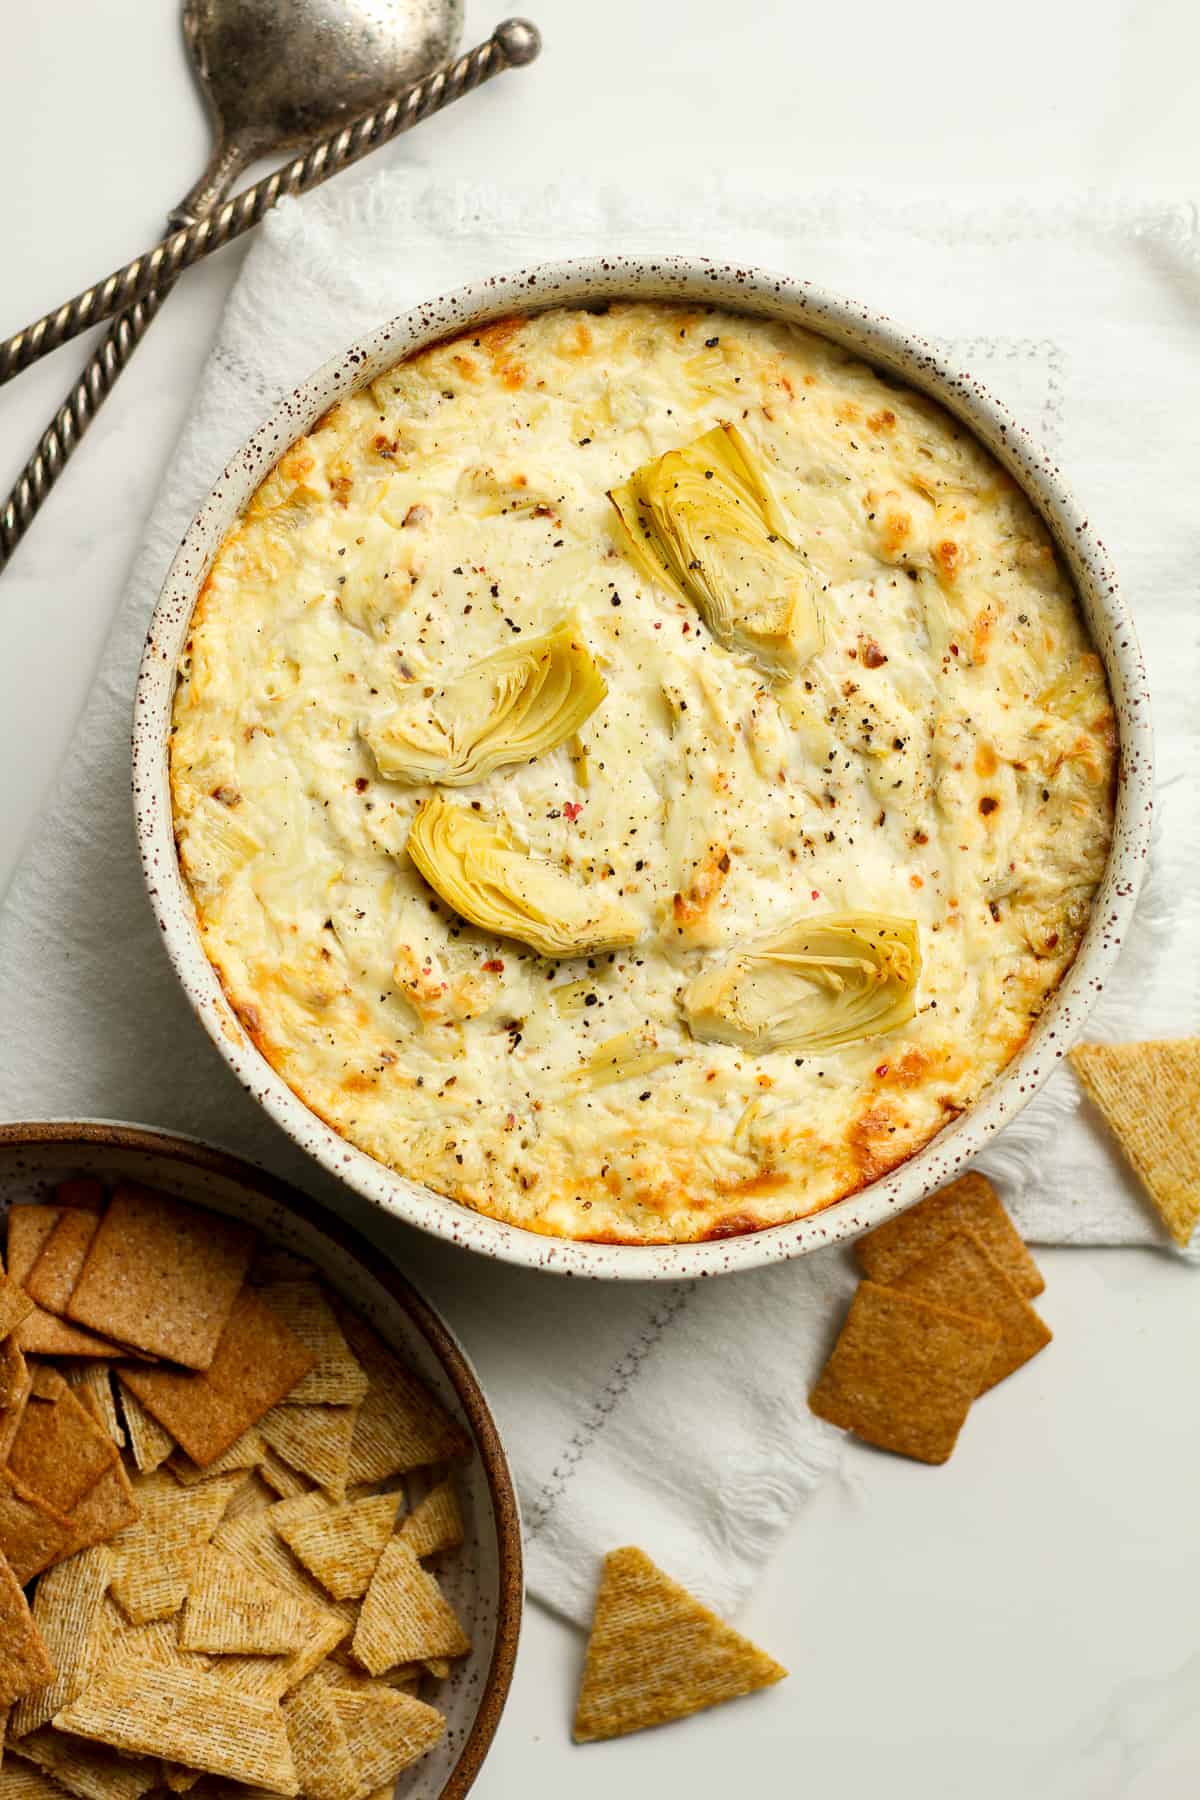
[[507, 708], [483, 875], [703, 522], [821, 984]]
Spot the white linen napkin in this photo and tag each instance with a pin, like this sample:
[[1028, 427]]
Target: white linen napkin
[[674, 1416]]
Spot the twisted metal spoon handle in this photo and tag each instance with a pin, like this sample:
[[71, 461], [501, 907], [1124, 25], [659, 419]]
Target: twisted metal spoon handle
[[512, 44], [61, 437]]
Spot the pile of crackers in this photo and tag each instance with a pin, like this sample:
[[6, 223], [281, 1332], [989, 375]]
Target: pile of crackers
[[943, 1315], [211, 1578]]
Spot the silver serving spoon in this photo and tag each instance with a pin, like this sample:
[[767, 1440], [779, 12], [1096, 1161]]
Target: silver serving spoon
[[274, 74]]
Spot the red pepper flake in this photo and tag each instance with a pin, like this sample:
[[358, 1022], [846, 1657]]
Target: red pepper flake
[[816, 893], [494, 966], [573, 808]]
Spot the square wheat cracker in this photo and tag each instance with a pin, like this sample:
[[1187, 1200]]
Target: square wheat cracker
[[257, 1361], [163, 1276], [903, 1374], [59, 1451], [41, 1333], [15, 1305], [14, 1373], [12, 1416], [32, 1534], [405, 1617], [961, 1276], [52, 1279], [26, 1664], [187, 1716], [969, 1204], [150, 1588]]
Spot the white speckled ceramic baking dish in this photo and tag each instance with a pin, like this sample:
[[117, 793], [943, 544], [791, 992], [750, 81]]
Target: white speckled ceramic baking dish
[[877, 341]]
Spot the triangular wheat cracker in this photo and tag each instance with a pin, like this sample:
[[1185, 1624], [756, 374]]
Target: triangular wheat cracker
[[245, 1452], [325, 1768], [386, 1731], [341, 1547], [187, 1716], [232, 1611], [405, 1616], [92, 1383], [656, 1654], [435, 1523], [92, 1771], [21, 1781], [400, 1424], [287, 1482], [336, 1379], [152, 1561], [149, 1441], [1149, 1094], [67, 1611], [315, 1440]]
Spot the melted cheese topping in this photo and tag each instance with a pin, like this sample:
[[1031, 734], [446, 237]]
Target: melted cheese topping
[[947, 757]]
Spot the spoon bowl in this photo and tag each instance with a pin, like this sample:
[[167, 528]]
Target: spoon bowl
[[275, 73]]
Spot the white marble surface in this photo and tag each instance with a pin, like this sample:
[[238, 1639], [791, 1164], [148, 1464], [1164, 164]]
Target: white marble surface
[[1024, 1619]]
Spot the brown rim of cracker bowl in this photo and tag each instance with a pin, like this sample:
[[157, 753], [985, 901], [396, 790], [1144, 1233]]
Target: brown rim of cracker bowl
[[728, 986], [483, 1576]]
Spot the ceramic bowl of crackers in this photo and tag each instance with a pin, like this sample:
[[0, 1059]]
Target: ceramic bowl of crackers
[[257, 1529]]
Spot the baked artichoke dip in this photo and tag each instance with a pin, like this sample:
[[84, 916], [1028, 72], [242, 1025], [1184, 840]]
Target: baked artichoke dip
[[640, 772]]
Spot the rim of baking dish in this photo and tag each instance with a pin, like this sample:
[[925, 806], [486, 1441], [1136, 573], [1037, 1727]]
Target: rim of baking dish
[[274, 1193], [889, 347]]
